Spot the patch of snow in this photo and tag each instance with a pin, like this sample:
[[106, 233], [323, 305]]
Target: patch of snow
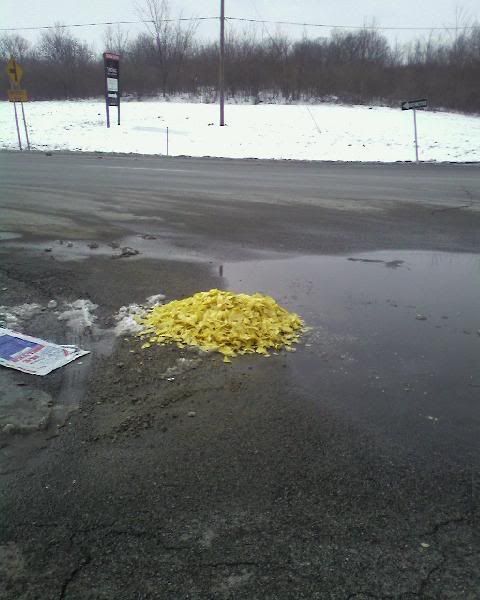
[[125, 318], [155, 300], [78, 315], [14, 315], [8, 319], [182, 365], [26, 311], [297, 131]]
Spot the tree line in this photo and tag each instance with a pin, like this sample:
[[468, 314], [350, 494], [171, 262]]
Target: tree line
[[168, 58]]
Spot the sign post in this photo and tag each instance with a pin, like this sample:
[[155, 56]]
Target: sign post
[[15, 94], [111, 64], [415, 105], [18, 128], [25, 124], [416, 133]]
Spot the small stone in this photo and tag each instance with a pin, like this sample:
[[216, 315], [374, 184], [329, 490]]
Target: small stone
[[127, 251], [191, 413], [69, 244], [93, 245], [52, 304], [120, 365], [48, 154], [9, 428], [424, 545], [421, 318], [48, 249]]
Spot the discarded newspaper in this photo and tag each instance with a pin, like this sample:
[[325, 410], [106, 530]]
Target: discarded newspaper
[[32, 355]]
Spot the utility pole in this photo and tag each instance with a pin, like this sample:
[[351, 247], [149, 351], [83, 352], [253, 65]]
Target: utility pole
[[222, 63]]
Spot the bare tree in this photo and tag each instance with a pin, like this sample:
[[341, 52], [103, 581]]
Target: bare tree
[[115, 39], [68, 59], [13, 45], [172, 39]]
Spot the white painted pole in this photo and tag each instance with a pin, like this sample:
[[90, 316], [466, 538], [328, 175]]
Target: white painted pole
[[25, 124], [18, 128], [416, 134]]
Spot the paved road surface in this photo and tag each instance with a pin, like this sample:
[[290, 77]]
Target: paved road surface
[[348, 469]]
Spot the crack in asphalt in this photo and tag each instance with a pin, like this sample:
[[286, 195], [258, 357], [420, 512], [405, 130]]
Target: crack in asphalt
[[435, 531], [442, 524], [147, 535], [86, 560], [426, 580]]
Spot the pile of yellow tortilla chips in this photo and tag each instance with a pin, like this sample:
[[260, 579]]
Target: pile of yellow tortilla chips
[[223, 322]]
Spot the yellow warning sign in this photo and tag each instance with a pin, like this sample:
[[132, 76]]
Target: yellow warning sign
[[17, 95], [15, 72]]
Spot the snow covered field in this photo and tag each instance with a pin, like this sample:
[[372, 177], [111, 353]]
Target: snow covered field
[[304, 132]]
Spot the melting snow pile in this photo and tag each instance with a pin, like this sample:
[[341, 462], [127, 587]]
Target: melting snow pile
[[128, 316], [78, 315], [223, 322]]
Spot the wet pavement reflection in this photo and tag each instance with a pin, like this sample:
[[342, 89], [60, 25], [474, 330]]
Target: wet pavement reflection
[[395, 340]]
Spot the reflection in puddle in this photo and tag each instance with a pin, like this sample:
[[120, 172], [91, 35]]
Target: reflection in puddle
[[332, 288], [8, 235], [134, 247], [394, 346]]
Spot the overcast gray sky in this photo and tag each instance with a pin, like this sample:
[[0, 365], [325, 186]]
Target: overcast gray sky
[[387, 13]]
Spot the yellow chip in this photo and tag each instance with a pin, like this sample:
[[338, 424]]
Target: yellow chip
[[224, 322]]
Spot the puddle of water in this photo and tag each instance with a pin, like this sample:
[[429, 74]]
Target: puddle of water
[[157, 247], [395, 339], [100, 342], [332, 288], [9, 235]]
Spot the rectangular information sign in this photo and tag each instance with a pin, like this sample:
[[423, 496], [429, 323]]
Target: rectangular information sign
[[17, 96], [414, 104], [111, 63]]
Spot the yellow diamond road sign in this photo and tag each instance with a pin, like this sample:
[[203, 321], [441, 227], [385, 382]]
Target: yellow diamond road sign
[[15, 71]]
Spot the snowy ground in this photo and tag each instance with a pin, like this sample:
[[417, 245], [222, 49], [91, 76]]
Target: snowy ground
[[304, 132]]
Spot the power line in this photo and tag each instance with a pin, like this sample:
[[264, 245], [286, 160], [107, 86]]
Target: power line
[[107, 23], [241, 19], [300, 24]]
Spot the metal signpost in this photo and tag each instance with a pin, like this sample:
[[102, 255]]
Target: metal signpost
[[415, 105], [112, 83], [15, 94]]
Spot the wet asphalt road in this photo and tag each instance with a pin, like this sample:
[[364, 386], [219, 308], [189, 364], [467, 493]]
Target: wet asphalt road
[[349, 469]]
